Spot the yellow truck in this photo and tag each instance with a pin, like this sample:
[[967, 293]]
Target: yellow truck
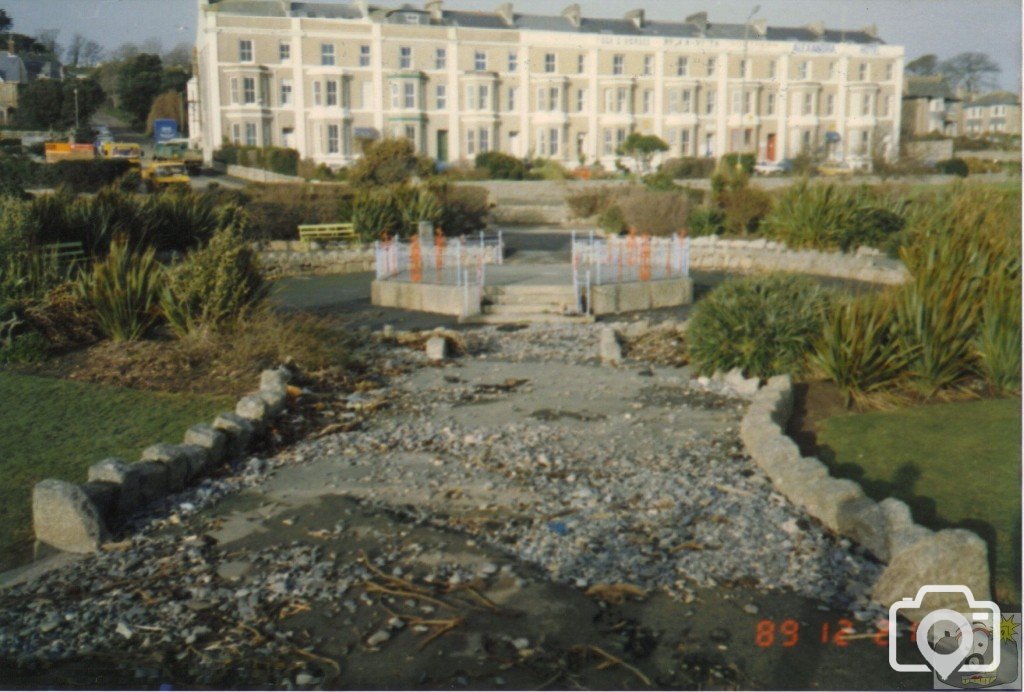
[[178, 150], [161, 175], [122, 150], [63, 151]]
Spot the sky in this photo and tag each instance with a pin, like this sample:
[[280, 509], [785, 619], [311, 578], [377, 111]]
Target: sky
[[942, 27]]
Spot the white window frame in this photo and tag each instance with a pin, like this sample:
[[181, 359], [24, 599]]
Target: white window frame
[[581, 63], [245, 50], [480, 61], [682, 66], [686, 101], [618, 64], [808, 104], [684, 141], [236, 133], [804, 69], [484, 140], [471, 142], [709, 106], [711, 67], [550, 63], [513, 61], [327, 54], [440, 59], [773, 68], [408, 95], [284, 51], [865, 105], [318, 96], [864, 72], [251, 135], [333, 139], [513, 92], [248, 90], [830, 104], [285, 92], [364, 55], [673, 101], [234, 91], [581, 99], [405, 57], [441, 96], [648, 65], [331, 93]]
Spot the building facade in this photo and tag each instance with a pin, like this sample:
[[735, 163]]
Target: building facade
[[317, 77], [995, 113], [929, 106]]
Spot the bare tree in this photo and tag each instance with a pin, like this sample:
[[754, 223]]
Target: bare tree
[[92, 53], [971, 72], [73, 53], [924, 66], [48, 39]]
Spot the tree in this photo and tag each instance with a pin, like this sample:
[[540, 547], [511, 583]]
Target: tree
[[175, 79], [6, 23], [972, 72], [166, 105], [50, 104], [138, 83], [92, 53], [90, 98], [925, 66], [642, 148], [48, 39], [179, 56], [385, 162]]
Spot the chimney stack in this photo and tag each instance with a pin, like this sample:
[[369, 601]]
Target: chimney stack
[[436, 10], [637, 17], [573, 14], [507, 13]]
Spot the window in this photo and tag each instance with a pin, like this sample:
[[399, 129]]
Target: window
[[441, 96], [236, 133], [549, 62], [648, 101], [748, 102], [326, 53], [830, 104], [332, 93], [286, 92], [408, 95], [621, 100], [484, 97], [409, 132], [673, 137], [485, 140], [865, 105], [405, 57], [479, 61], [284, 51], [864, 72], [547, 138], [318, 97], [364, 56], [234, 90], [512, 98], [245, 50], [681, 66], [687, 101], [684, 141], [332, 139], [888, 72], [710, 105], [394, 95], [773, 68], [804, 70], [608, 147], [711, 67], [250, 134], [555, 99], [618, 63], [513, 61], [737, 97], [542, 99], [673, 101], [471, 142], [744, 68], [648, 65], [440, 59], [581, 64], [248, 90], [807, 140], [581, 100], [769, 106], [808, 104]]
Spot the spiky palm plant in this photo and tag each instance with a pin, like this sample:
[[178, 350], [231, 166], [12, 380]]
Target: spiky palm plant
[[123, 291]]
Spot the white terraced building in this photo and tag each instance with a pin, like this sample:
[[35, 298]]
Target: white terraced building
[[318, 76]]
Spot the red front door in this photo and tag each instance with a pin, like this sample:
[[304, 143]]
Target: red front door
[[770, 147]]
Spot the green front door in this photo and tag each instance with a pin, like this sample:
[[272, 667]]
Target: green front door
[[442, 146]]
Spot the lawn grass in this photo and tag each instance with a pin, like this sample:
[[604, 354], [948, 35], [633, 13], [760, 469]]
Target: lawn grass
[[956, 464], [52, 428]]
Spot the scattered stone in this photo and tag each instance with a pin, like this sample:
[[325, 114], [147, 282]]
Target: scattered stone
[[154, 480], [750, 608], [210, 439], [174, 459], [238, 431], [275, 380], [124, 630], [254, 409], [64, 517], [128, 479], [378, 638], [437, 348], [275, 401], [609, 349]]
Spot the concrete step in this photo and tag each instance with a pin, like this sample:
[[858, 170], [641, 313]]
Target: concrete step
[[535, 318], [524, 309], [511, 294]]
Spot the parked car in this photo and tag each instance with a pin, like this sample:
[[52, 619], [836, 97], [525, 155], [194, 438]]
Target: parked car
[[834, 168], [773, 167]]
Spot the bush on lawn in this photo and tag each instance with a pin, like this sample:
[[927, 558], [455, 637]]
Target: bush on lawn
[[706, 220], [954, 166], [590, 201], [656, 213], [859, 348], [389, 162], [217, 285], [739, 162], [500, 166], [762, 325], [123, 292], [464, 208], [82, 176], [688, 167]]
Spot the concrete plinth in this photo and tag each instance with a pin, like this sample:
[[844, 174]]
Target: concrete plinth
[[443, 300], [641, 295]]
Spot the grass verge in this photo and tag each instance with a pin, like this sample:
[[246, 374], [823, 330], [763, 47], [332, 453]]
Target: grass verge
[[54, 428], [956, 464]]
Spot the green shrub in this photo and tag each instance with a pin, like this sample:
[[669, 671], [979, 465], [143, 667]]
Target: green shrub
[[590, 201], [547, 169], [83, 176], [660, 182], [276, 211], [217, 285], [386, 162], [656, 213], [859, 348], [376, 213], [500, 166], [953, 166], [612, 220], [743, 208], [275, 159], [418, 204], [706, 221], [764, 325], [464, 208], [998, 340], [739, 161], [829, 216], [123, 292], [28, 347], [688, 167]]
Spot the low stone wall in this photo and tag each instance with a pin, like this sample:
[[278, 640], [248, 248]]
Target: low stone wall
[[867, 264], [78, 518], [443, 300], [641, 295], [258, 175], [530, 214], [916, 556], [290, 257]]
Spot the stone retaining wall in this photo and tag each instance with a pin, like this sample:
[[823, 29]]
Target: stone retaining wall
[[258, 175], [78, 518], [286, 258], [720, 254], [915, 556]]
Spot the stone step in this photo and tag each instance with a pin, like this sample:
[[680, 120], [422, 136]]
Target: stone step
[[512, 294], [534, 318], [524, 309]]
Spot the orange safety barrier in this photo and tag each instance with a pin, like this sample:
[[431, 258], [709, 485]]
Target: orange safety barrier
[[415, 259], [645, 258]]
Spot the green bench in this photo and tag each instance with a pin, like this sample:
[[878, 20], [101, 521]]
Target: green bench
[[66, 254], [327, 232]]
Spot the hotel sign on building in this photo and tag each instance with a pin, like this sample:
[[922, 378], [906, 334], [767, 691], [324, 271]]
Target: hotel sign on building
[[317, 76]]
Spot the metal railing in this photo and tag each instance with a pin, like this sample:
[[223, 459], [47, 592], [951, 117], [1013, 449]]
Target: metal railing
[[598, 261], [437, 260]]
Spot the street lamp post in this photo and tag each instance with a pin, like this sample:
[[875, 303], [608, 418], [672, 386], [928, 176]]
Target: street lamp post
[[76, 110]]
